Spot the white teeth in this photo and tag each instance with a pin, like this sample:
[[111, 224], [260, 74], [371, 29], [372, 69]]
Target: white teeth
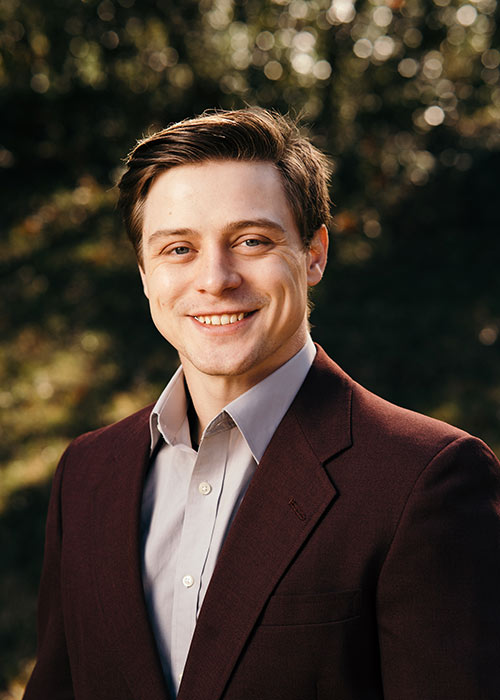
[[222, 320]]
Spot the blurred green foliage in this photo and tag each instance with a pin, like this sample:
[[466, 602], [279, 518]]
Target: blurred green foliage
[[405, 97]]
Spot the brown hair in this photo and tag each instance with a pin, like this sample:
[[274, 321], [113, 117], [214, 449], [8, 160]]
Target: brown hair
[[245, 134]]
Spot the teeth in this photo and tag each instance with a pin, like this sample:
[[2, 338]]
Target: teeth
[[222, 320]]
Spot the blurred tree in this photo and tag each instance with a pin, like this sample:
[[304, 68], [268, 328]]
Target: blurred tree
[[404, 95]]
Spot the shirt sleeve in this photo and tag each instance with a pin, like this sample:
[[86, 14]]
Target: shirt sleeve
[[438, 600]]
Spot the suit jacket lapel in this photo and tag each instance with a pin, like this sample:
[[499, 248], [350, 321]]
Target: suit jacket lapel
[[117, 564], [287, 496]]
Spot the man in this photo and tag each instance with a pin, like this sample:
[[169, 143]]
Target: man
[[270, 529]]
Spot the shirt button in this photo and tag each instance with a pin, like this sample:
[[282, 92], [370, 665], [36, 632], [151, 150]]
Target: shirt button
[[188, 581], [204, 488]]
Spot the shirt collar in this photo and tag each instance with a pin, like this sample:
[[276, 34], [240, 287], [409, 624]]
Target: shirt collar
[[259, 411], [257, 426], [168, 417]]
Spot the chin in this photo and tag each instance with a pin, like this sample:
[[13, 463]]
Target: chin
[[223, 369], [228, 366]]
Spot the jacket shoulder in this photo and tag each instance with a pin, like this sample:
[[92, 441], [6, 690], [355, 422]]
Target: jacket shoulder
[[382, 420], [118, 449], [379, 430], [114, 431]]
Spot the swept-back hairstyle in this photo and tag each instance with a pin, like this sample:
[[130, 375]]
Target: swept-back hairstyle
[[251, 134]]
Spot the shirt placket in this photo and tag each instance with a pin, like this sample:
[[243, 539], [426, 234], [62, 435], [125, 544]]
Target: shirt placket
[[204, 492]]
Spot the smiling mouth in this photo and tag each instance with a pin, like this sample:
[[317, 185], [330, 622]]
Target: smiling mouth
[[222, 319]]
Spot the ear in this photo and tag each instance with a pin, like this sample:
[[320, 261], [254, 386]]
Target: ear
[[144, 281], [317, 255]]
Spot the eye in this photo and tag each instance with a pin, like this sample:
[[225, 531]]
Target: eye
[[180, 250], [252, 243], [255, 246]]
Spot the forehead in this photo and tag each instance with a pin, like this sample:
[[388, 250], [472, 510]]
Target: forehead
[[212, 193]]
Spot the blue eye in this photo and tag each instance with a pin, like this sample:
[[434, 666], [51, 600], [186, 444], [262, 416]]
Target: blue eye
[[181, 250]]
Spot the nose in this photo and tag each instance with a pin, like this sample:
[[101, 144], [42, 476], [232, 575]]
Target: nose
[[217, 272]]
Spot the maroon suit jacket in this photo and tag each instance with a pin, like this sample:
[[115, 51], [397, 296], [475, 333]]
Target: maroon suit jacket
[[363, 564]]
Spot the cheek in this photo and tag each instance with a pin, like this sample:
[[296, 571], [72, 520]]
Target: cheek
[[159, 297], [164, 287], [289, 269], [290, 290], [294, 279]]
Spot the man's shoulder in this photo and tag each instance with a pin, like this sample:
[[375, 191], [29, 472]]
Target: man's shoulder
[[111, 458], [386, 419], [386, 444], [376, 423], [137, 421]]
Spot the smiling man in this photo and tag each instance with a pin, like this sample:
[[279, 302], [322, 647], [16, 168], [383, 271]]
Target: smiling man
[[268, 529], [227, 284]]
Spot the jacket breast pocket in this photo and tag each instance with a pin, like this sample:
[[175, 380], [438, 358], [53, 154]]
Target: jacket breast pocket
[[311, 608]]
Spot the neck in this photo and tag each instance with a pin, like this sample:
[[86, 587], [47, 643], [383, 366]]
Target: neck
[[209, 395]]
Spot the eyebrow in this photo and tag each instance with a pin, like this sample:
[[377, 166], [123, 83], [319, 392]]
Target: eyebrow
[[262, 222], [170, 233], [232, 226]]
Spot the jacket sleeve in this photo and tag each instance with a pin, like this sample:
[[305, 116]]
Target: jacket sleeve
[[438, 600], [51, 677]]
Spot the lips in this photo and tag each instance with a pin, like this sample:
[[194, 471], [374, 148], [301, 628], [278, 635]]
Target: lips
[[222, 319]]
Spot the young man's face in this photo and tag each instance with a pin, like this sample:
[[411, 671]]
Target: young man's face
[[225, 270]]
